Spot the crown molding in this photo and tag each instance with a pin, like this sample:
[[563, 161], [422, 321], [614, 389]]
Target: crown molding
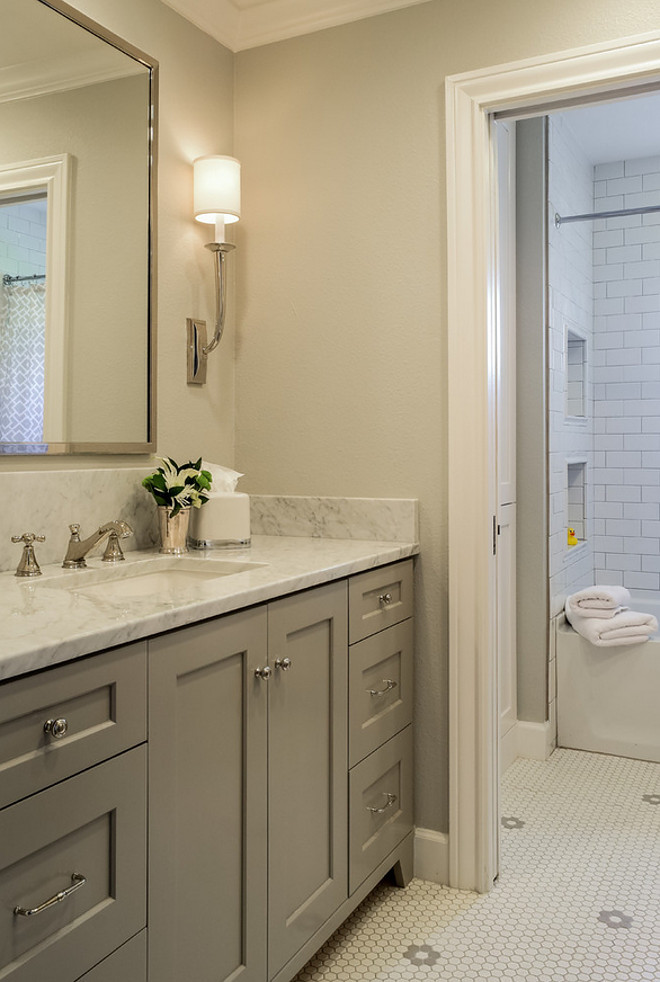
[[28, 80], [240, 25]]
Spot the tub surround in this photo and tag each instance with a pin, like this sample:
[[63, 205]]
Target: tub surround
[[43, 625], [607, 697]]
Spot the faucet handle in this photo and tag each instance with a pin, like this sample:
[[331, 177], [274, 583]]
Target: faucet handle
[[119, 530], [113, 552], [28, 565], [75, 532]]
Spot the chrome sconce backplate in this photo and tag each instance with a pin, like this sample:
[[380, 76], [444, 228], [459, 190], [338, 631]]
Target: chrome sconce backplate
[[196, 338]]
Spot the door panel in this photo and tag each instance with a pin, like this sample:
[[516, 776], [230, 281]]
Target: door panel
[[307, 763]]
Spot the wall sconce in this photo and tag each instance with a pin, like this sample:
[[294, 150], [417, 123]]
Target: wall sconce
[[217, 201]]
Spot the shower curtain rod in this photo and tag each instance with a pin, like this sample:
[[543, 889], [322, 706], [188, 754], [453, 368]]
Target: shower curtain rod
[[559, 220], [7, 279]]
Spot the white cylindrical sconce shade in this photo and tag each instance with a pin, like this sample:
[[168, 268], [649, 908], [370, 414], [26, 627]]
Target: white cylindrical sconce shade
[[217, 189]]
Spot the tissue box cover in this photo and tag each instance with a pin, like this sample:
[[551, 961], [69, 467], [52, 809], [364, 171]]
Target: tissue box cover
[[223, 521]]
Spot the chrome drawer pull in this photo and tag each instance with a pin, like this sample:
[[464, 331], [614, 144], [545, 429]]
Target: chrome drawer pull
[[77, 881], [263, 673], [391, 798], [56, 728], [385, 599], [283, 663], [389, 684]]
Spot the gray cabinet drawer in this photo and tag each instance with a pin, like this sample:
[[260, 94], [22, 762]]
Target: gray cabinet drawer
[[127, 964], [381, 805], [93, 824], [379, 598], [380, 680], [103, 700]]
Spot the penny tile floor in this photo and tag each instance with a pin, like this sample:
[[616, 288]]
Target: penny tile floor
[[577, 900]]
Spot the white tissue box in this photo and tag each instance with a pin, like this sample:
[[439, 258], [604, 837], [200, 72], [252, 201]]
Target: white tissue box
[[224, 521]]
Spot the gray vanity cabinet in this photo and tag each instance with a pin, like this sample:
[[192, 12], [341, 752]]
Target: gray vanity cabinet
[[307, 740], [277, 775], [247, 779], [207, 799]]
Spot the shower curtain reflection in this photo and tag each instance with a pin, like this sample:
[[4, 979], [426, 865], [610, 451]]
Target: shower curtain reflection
[[22, 356]]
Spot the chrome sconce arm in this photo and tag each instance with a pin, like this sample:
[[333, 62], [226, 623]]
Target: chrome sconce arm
[[219, 250]]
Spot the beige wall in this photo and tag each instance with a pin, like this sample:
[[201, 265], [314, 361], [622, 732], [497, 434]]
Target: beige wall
[[196, 117], [341, 346]]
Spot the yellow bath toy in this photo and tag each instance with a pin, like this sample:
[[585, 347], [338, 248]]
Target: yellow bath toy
[[572, 537]]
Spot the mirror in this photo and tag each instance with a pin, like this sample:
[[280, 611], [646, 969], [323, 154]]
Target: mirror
[[77, 202]]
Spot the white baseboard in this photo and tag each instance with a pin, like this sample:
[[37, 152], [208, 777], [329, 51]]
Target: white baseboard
[[431, 856], [535, 740], [508, 747]]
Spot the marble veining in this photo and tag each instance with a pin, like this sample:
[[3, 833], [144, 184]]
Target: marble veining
[[47, 502], [382, 519], [42, 623]]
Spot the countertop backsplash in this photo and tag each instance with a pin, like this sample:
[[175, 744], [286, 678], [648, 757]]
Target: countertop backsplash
[[47, 502], [381, 519]]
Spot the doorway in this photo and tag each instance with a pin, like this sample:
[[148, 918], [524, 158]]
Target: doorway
[[596, 73]]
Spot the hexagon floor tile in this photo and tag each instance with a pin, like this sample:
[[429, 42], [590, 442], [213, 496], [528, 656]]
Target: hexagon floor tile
[[577, 900]]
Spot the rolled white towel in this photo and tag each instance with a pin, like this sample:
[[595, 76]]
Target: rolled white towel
[[598, 601], [625, 627]]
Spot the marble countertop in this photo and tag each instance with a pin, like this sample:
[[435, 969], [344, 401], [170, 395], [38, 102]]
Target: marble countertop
[[56, 617]]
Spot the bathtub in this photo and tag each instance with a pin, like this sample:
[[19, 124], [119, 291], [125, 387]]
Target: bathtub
[[608, 699]]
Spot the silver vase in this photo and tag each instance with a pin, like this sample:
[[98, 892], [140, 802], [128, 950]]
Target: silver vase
[[173, 531]]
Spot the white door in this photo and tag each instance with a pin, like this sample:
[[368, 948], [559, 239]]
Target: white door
[[506, 442]]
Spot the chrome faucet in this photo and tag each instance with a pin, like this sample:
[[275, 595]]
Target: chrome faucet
[[78, 549]]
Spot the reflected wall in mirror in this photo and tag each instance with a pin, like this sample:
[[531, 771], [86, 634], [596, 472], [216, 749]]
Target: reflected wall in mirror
[[77, 179]]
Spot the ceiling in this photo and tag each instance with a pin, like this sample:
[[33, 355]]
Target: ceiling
[[622, 130], [241, 24]]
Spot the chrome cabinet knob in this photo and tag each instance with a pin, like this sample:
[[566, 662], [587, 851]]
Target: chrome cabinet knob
[[56, 727], [385, 599], [263, 673], [283, 663]]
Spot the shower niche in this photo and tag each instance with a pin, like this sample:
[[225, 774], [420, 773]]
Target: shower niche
[[576, 503]]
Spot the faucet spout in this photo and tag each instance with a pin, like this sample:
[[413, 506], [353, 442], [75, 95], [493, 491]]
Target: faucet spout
[[78, 548]]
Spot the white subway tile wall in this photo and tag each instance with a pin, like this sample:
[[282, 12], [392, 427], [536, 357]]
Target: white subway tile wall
[[604, 348], [23, 239], [573, 348], [626, 382]]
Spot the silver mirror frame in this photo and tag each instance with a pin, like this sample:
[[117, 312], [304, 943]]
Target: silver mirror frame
[[149, 445]]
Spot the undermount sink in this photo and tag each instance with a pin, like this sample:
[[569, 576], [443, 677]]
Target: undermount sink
[[151, 577]]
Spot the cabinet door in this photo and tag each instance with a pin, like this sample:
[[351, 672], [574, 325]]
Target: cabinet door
[[307, 764], [207, 732]]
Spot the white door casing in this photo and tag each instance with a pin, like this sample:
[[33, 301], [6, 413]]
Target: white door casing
[[596, 72], [504, 138]]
